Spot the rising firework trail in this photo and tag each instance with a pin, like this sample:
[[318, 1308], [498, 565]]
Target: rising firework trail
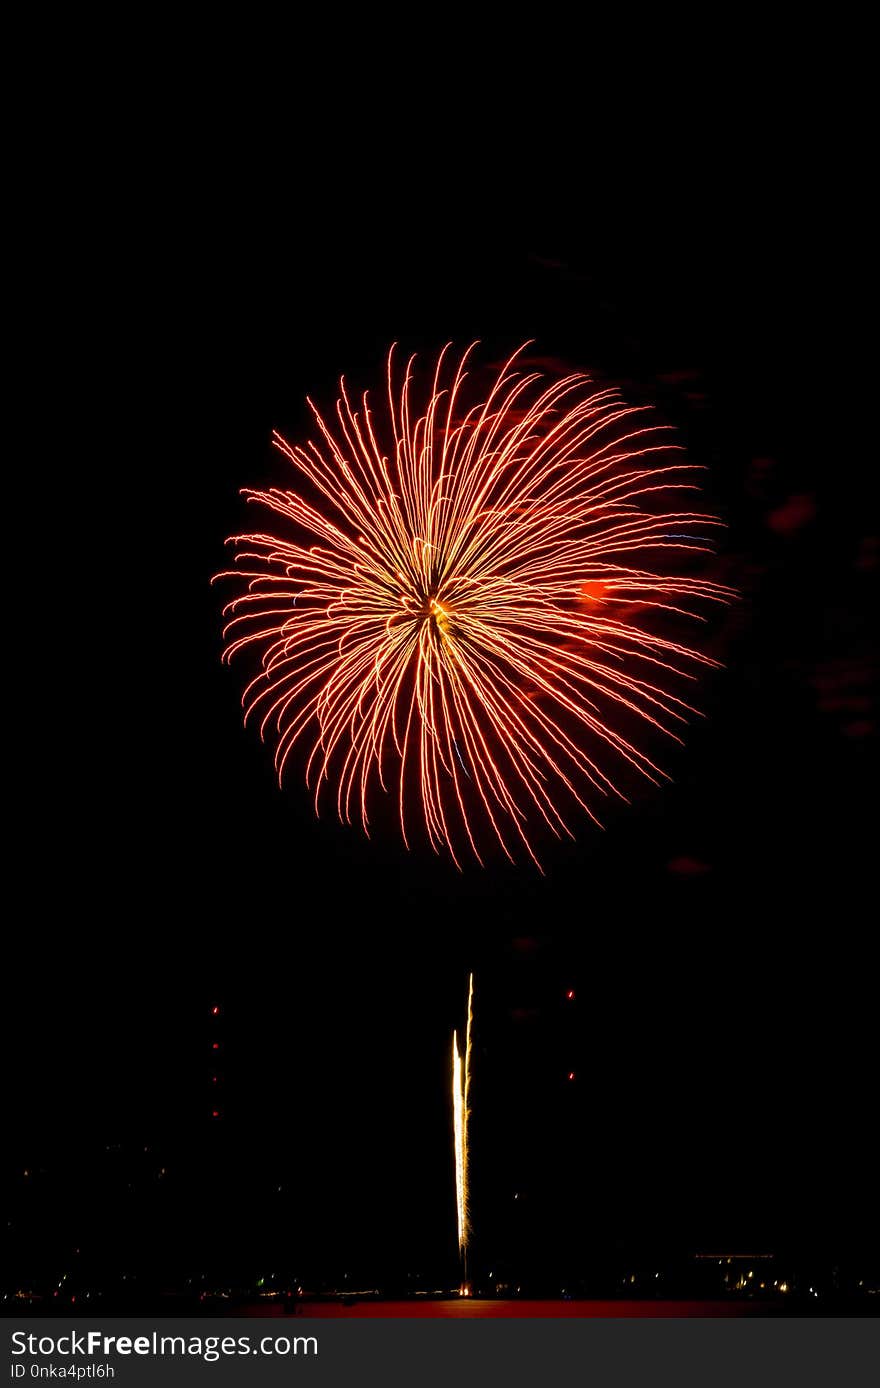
[[470, 603], [461, 1083]]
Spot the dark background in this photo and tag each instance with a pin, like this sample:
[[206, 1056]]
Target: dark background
[[716, 935]]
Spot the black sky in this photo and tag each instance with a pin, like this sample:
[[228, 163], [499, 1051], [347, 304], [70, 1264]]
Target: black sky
[[722, 1033]]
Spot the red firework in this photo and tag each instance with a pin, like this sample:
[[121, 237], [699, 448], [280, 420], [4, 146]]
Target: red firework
[[460, 603]]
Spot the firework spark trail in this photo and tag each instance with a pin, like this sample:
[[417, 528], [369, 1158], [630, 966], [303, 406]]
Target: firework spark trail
[[424, 624], [461, 1082]]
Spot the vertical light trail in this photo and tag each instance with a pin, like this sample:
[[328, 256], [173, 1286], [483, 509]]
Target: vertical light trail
[[461, 1083]]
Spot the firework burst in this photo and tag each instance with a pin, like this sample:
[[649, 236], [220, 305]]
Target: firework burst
[[461, 605]]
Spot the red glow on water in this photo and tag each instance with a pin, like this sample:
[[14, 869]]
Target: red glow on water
[[477, 1308]]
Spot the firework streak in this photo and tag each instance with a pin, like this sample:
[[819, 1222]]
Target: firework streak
[[461, 1084], [461, 605]]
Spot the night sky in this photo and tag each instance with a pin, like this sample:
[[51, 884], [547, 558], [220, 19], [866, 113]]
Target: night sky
[[722, 1033]]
